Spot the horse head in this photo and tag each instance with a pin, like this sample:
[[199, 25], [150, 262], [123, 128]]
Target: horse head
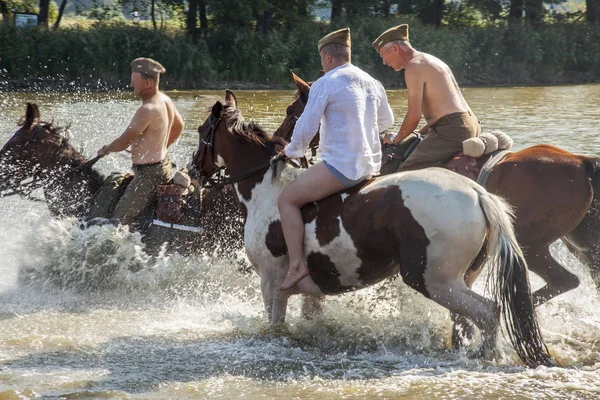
[[34, 149], [294, 111], [39, 151], [229, 143]]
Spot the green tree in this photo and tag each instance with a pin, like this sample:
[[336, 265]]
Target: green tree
[[593, 11], [431, 11], [43, 13], [4, 10]]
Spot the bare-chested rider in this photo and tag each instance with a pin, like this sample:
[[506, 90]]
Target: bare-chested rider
[[155, 126], [432, 93]]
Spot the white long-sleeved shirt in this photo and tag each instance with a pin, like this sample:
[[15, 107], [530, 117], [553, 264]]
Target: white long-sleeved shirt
[[352, 109]]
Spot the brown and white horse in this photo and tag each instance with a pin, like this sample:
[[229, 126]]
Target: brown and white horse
[[434, 228], [555, 195]]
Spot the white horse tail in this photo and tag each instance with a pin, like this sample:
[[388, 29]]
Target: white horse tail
[[510, 282]]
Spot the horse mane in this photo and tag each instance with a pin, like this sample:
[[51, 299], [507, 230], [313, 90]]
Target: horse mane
[[251, 130], [47, 131]]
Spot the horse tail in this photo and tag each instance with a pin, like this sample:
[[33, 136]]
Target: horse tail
[[511, 288]]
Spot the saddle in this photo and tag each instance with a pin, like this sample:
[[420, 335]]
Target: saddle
[[170, 203], [475, 162]]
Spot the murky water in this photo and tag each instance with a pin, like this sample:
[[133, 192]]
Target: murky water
[[89, 327]]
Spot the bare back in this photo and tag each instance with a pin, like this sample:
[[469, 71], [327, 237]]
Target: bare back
[[158, 114], [441, 94]]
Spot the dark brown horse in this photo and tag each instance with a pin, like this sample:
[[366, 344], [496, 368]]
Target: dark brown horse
[[433, 228], [39, 156], [555, 196]]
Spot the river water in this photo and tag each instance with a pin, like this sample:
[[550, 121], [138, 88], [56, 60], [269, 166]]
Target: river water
[[89, 327]]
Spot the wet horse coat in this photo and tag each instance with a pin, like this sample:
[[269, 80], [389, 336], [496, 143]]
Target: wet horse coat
[[554, 194], [42, 157], [431, 227]]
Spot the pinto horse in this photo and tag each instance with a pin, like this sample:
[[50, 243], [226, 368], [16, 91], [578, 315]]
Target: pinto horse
[[434, 228], [555, 195], [39, 156]]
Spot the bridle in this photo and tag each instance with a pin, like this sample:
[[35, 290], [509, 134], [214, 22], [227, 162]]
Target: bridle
[[25, 189], [206, 149]]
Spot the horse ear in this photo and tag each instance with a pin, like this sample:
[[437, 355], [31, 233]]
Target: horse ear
[[302, 86], [32, 114], [217, 109], [230, 98]]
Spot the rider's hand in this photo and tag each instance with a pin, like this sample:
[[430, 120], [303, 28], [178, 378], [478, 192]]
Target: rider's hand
[[278, 157], [388, 138], [104, 150]]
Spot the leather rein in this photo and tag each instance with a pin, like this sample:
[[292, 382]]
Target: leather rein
[[217, 179]]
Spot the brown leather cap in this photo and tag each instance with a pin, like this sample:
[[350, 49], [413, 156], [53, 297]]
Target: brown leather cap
[[399, 32], [147, 66], [341, 36]]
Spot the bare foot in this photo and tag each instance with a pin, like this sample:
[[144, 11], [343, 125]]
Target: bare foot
[[294, 276]]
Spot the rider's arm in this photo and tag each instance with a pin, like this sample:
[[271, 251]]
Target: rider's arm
[[415, 86], [176, 129], [308, 123], [140, 121]]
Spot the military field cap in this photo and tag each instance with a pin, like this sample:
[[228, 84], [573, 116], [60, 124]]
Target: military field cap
[[341, 36], [147, 66], [399, 32]]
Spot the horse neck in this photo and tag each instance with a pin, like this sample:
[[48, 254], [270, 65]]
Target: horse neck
[[70, 194], [260, 198], [246, 158]]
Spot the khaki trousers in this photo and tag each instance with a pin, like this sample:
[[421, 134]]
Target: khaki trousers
[[140, 191], [443, 141]]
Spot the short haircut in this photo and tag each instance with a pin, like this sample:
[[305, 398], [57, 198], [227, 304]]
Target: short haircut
[[149, 77], [337, 51], [399, 43]]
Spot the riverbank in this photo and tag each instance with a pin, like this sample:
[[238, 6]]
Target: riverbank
[[97, 57]]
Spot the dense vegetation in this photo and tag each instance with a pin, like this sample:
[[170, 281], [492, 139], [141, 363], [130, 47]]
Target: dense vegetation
[[237, 44]]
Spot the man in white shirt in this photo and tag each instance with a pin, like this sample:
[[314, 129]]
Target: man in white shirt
[[351, 109]]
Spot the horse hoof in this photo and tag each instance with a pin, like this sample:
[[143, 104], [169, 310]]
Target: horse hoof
[[483, 352]]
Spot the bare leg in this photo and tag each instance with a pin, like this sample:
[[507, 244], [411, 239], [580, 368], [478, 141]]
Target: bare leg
[[314, 184]]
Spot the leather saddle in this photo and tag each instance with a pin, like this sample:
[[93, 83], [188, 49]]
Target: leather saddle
[[462, 164]]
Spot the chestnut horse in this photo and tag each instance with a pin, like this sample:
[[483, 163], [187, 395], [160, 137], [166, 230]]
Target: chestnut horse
[[554, 194], [434, 228], [38, 155]]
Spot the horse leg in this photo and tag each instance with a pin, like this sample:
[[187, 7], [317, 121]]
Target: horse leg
[[275, 301], [584, 241], [558, 279], [459, 299], [462, 329], [311, 306]]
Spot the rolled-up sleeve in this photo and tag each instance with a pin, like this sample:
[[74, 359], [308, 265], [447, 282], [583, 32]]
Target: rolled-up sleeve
[[385, 116], [308, 123]]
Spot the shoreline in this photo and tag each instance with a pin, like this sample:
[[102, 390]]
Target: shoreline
[[53, 85]]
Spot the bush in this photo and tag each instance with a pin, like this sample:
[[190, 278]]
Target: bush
[[491, 55]]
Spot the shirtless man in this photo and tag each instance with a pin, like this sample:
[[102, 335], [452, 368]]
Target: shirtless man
[[433, 93], [155, 126]]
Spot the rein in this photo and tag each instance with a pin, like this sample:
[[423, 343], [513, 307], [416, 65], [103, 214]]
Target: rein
[[25, 189], [254, 171], [205, 143]]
